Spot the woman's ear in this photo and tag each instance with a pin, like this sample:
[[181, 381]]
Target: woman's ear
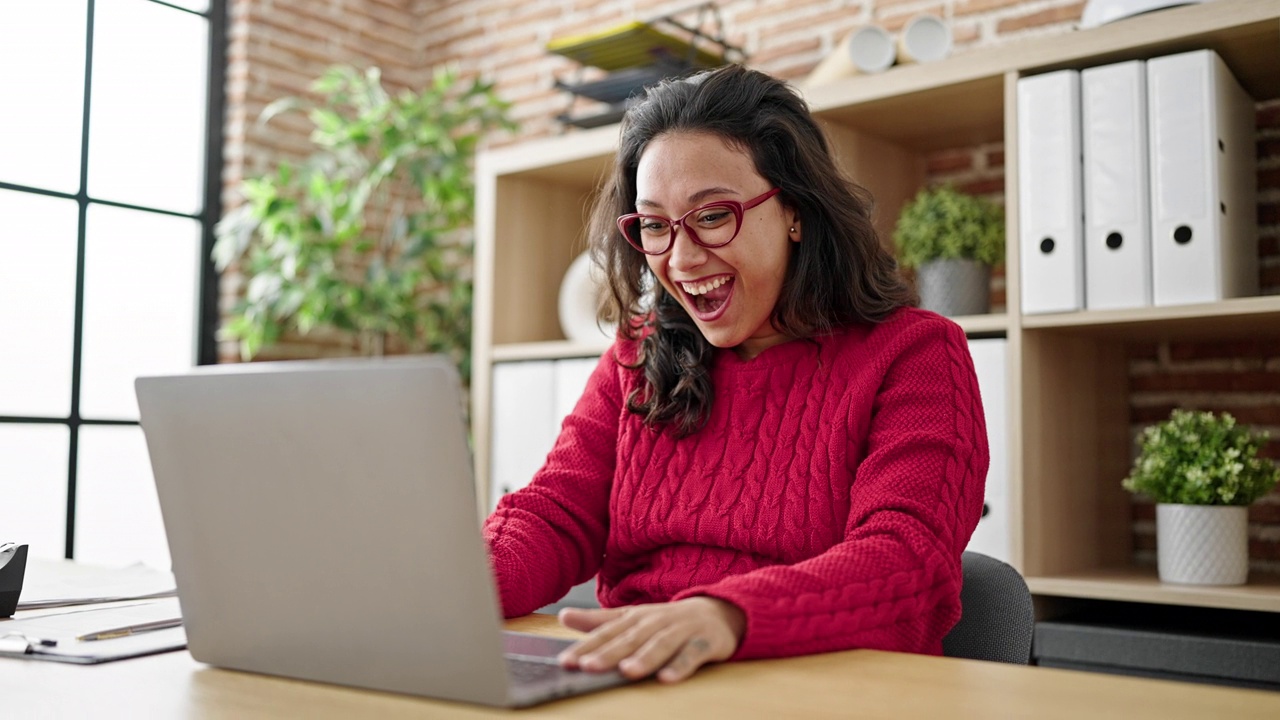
[[794, 231]]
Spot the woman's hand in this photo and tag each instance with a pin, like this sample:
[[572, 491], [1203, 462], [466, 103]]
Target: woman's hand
[[672, 639]]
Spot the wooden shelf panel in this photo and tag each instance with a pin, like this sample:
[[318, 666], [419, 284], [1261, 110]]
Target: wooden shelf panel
[[1142, 585], [551, 350], [1229, 318], [564, 349], [983, 324]]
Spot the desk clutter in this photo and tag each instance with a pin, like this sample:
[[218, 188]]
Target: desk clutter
[[84, 614], [1137, 185]]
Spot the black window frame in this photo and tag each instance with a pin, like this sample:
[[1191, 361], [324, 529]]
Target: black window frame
[[208, 314]]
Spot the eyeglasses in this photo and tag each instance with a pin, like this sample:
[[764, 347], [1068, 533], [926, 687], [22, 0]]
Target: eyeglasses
[[713, 225]]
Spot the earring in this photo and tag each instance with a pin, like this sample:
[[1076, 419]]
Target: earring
[[793, 229]]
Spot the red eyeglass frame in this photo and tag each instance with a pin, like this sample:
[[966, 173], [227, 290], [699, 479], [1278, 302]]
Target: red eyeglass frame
[[738, 208]]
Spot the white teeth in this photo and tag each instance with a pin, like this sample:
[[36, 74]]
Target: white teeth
[[704, 288]]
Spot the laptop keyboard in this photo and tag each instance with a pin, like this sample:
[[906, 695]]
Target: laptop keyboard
[[529, 671]]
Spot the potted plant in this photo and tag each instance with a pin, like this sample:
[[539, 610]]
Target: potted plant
[[368, 236], [1203, 471], [952, 240]]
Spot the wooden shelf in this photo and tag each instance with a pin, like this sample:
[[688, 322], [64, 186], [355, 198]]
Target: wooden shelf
[[552, 350], [1228, 318], [959, 101], [983, 324], [1068, 374], [1142, 585]]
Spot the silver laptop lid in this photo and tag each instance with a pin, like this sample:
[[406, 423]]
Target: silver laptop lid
[[323, 525]]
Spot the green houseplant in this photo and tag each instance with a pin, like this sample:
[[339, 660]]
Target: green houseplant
[[369, 235], [1202, 470], [952, 240]]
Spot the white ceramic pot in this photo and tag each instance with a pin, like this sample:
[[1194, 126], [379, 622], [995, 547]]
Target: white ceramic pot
[[1203, 544]]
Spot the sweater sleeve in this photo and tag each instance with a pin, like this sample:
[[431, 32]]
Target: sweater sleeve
[[893, 582], [550, 535]]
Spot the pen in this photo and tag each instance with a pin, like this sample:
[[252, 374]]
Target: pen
[[131, 630]]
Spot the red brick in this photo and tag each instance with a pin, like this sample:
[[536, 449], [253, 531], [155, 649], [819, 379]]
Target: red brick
[[995, 158], [1268, 115], [1269, 214], [949, 161], [1269, 179], [1239, 382], [982, 186], [1260, 549], [1269, 277], [969, 7], [798, 47], [1142, 351], [1049, 16]]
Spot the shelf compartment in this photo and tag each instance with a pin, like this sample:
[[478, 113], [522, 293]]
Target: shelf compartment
[[1132, 584], [1238, 317]]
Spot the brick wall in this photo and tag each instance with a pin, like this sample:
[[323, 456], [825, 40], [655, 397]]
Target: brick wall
[[278, 46]]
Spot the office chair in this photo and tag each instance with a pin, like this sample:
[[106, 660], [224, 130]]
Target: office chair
[[997, 620]]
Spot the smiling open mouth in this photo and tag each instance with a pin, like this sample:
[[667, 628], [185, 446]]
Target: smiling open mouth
[[709, 297]]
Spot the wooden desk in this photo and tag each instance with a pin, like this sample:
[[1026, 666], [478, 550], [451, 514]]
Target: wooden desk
[[855, 684]]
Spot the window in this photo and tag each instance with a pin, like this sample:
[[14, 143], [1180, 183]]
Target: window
[[110, 163]]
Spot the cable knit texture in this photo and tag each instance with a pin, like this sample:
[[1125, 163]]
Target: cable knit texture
[[829, 496]]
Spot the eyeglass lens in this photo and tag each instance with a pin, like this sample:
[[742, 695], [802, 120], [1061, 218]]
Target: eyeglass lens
[[713, 226]]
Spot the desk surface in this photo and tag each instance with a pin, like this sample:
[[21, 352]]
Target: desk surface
[[854, 684]]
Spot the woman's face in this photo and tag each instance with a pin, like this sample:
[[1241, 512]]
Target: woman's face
[[729, 291]]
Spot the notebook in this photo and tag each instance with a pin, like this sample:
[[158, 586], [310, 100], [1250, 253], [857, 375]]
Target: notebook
[[323, 525]]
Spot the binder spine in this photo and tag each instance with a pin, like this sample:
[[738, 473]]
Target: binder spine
[[1117, 244], [1049, 192], [1203, 182]]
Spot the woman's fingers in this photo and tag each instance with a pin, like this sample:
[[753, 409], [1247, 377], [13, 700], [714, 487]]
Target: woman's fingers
[[673, 639], [586, 620], [693, 654], [603, 626]]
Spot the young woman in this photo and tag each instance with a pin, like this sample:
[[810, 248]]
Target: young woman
[[779, 455]]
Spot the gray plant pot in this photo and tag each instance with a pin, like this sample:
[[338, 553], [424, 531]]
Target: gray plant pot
[[955, 287], [1202, 544]]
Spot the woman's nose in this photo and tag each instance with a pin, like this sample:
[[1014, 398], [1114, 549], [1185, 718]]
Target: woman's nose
[[685, 253]]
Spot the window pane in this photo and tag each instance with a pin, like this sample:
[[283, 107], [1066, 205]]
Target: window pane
[[42, 82], [117, 512], [141, 288], [146, 117], [37, 303], [33, 483], [197, 5]]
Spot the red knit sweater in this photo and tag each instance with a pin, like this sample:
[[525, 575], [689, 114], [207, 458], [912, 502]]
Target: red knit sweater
[[829, 496]]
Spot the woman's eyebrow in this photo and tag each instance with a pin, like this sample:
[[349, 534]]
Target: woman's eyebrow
[[696, 197]]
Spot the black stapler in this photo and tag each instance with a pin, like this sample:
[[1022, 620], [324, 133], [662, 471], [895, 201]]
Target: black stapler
[[13, 565]]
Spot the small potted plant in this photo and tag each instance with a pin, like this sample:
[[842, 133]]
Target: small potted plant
[[1203, 471], [953, 240]]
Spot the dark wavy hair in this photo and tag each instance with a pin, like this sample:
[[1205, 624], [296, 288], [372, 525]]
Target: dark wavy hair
[[838, 274]]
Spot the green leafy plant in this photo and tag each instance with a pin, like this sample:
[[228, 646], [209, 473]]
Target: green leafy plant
[[367, 236], [943, 223], [1199, 458]]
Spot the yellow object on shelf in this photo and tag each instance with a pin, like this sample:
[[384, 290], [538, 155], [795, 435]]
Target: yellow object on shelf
[[630, 45]]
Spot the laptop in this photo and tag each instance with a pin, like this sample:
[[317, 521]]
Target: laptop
[[323, 525]]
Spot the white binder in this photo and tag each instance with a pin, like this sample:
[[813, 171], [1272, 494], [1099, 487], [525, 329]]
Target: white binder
[[1117, 242], [571, 378], [991, 537], [524, 426], [1203, 181], [1051, 218]]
